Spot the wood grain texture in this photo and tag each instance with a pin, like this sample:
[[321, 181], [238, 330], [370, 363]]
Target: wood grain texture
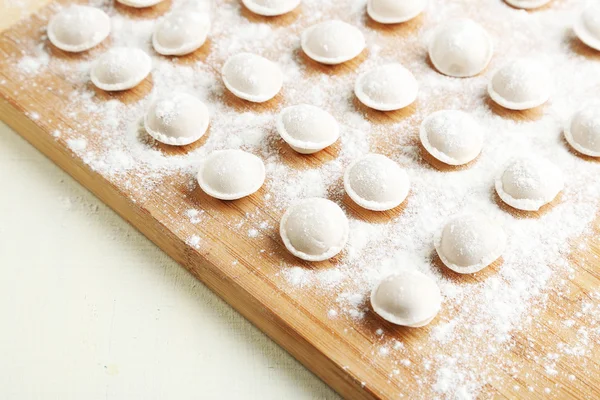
[[339, 351]]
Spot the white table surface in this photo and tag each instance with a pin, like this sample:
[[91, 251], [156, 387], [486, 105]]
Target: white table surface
[[91, 309]]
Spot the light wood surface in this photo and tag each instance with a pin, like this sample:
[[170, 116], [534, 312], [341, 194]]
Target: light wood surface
[[338, 351]]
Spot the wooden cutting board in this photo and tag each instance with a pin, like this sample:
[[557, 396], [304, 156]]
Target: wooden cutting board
[[340, 351]]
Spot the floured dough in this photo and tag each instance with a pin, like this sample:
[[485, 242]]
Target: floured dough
[[460, 48], [587, 25], [269, 8], [394, 11], [252, 77], [527, 4], [388, 87], [139, 3], [180, 33], [120, 68], [314, 229], [332, 42], [78, 28], [177, 119], [469, 243], [408, 298], [307, 129], [376, 183], [231, 174], [520, 85], [583, 130]]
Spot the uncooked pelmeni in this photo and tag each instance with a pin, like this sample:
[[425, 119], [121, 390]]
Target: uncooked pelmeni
[[451, 136], [139, 3], [460, 48], [78, 28], [527, 4], [314, 229], [180, 33], [528, 183], [587, 26], [520, 85], [251, 77], [307, 129], [387, 87], [120, 68], [231, 174], [408, 298], [469, 243], [177, 119], [376, 183], [583, 131], [332, 42], [270, 8], [394, 11]]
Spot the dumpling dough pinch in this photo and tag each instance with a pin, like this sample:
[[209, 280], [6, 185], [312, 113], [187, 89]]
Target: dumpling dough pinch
[[387, 87], [394, 11], [307, 129], [120, 68], [520, 85], [314, 229], [231, 174], [452, 137], [139, 3], [177, 119], [332, 42], [587, 26], [271, 8], [252, 77], [408, 298], [180, 33], [376, 183], [469, 243], [78, 28], [527, 4], [529, 183], [460, 48], [583, 131]]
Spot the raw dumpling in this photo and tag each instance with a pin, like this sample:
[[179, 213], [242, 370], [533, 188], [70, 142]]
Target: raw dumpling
[[394, 11], [314, 229], [527, 4], [520, 85], [529, 183], [307, 129], [269, 8], [587, 26], [469, 243], [251, 77], [78, 28], [408, 298], [385, 88], [139, 3], [120, 68], [180, 33], [376, 183], [332, 42], [452, 136], [583, 131], [231, 174], [460, 48], [177, 119]]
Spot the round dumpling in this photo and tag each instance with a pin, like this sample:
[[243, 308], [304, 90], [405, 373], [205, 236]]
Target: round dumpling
[[180, 33], [529, 183], [120, 68], [469, 243], [460, 48], [376, 183], [408, 298], [78, 28], [451, 136], [587, 26], [270, 8], [583, 131], [307, 129], [527, 4], [394, 11], [388, 87], [139, 3], [332, 42], [231, 174], [314, 229], [251, 77], [177, 119], [520, 85]]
